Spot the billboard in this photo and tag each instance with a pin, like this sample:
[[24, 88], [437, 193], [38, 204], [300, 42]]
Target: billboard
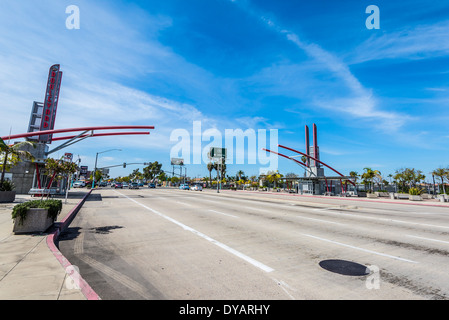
[[83, 170], [177, 162], [50, 102], [217, 152]]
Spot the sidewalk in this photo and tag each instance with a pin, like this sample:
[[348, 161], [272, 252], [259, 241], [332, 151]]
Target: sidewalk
[[29, 268]]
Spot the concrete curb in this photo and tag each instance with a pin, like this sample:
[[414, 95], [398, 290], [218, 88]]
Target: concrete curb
[[52, 238]]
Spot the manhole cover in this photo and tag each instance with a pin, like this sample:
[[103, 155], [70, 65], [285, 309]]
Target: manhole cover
[[347, 268]]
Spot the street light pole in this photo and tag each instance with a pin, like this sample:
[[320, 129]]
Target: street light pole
[[95, 170]]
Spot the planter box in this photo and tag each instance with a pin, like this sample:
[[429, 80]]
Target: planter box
[[415, 198], [371, 195], [36, 221], [7, 196]]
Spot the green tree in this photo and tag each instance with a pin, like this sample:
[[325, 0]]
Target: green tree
[[162, 176], [11, 155], [210, 167], [368, 177], [274, 177], [408, 178], [441, 173], [136, 175], [240, 174], [355, 175], [152, 170], [59, 169]]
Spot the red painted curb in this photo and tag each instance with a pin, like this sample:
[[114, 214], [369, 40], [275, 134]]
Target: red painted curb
[[86, 290]]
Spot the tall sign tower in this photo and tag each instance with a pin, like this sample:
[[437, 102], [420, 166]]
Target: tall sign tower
[[43, 115], [316, 170]]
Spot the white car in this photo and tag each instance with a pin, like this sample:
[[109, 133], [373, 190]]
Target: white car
[[196, 187], [79, 184]]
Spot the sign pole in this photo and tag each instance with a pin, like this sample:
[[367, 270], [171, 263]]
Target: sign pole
[[218, 176]]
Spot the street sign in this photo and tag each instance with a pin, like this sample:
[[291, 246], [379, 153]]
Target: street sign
[[217, 152]]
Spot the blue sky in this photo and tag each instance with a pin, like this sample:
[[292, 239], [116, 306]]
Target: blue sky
[[379, 97]]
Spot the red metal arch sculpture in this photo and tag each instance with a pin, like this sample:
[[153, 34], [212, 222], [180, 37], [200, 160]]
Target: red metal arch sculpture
[[287, 157], [308, 156], [47, 132]]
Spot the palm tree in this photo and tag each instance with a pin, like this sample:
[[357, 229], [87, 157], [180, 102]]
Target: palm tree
[[240, 173], [442, 173], [304, 160], [13, 155], [210, 167], [369, 175], [354, 174]]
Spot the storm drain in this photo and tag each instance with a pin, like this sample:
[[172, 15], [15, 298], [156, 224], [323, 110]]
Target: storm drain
[[347, 268]]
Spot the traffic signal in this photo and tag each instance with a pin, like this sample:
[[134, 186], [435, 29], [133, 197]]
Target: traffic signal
[[124, 164]]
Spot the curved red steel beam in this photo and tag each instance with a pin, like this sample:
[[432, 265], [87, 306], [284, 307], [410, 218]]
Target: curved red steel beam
[[40, 133], [302, 153], [99, 135], [283, 155]]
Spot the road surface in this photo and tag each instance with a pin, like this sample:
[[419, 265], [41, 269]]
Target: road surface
[[169, 244]]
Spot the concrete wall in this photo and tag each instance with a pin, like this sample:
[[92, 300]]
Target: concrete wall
[[23, 173]]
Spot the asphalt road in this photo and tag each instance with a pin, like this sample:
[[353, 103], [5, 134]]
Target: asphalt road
[[175, 244]]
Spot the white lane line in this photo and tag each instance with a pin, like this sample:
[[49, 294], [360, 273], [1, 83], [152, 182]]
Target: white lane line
[[282, 284], [358, 248], [409, 235], [250, 260], [382, 219], [225, 214], [183, 203], [301, 217]]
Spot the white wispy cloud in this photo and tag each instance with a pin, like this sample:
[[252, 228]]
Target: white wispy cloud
[[417, 42], [341, 92], [98, 61]]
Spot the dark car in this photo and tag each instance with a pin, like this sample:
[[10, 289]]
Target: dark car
[[134, 185], [151, 185], [119, 185]]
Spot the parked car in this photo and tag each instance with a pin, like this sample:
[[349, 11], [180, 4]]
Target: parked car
[[134, 185], [118, 185], [151, 185], [125, 185], [184, 187], [79, 184], [103, 184], [196, 187]]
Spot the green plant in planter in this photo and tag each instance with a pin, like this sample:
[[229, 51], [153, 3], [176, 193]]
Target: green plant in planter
[[11, 155], [415, 191], [54, 208], [7, 186]]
